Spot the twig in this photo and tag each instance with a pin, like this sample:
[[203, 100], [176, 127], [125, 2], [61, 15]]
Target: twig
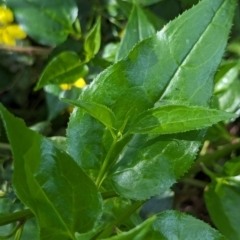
[[27, 50]]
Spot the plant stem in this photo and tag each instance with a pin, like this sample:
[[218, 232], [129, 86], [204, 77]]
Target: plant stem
[[15, 230], [19, 233], [16, 216], [110, 194], [5, 146], [105, 165], [27, 50], [108, 230], [194, 182], [208, 159]]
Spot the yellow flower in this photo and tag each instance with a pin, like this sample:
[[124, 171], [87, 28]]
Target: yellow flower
[[9, 32], [6, 15], [80, 83]]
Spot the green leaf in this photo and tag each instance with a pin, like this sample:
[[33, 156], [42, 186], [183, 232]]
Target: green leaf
[[47, 22], [98, 111], [232, 167], [226, 75], [170, 119], [171, 225], [176, 65], [93, 40], [50, 183], [137, 29], [229, 100], [64, 68], [222, 197]]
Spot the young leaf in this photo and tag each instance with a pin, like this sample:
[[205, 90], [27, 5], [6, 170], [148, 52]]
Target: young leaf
[[222, 198], [171, 225], [232, 167], [138, 28], [178, 65], [170, 119], [34, 16], [64, 68], [93, 40], [50, 183], [98, 111], [226, 75]]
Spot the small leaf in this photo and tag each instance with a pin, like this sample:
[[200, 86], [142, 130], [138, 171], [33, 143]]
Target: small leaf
[[93, 40], [171, 225], [169, 119], [138, 28], [222, 199], [47, 22], [232, 167], [47, 180], [98, 111], [64, 68], [226, 75]]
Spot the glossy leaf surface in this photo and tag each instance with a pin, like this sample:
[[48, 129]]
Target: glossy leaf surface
[[100, 112], [171, 225], [222, 198], [227, 87], [50, 183], [176, 65], [34, 16], [93, 40], [137, 29], [170, 119], [64, 68]]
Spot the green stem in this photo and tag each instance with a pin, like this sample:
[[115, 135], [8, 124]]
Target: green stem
[[208, 172], [11, 234], [210, 158], [16, 216], [109, 229], [105, 165], [19, 233], [194, 182], [110, 194]]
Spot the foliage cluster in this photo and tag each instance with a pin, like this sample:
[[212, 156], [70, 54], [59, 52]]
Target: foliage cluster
[[146, 88]]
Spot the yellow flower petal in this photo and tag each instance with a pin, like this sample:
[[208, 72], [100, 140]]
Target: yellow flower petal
[[80, 83], [7, 39], [15, 31], [6, 15], [65, 86]]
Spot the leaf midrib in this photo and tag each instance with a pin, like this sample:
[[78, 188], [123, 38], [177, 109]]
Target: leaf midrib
[[188, 54], [50, 203]]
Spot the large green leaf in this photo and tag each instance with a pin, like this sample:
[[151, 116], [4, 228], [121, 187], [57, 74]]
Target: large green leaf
[[50, 183], [176, 65], [172, 118], [47, 22], [138, 28], [171, 225], [64, 68], [222, 198]]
